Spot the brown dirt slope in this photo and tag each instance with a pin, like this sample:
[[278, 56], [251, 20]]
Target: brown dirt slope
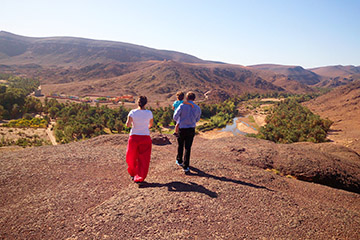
[[82, 191], [282, 80], [342, 105], [296, 73], [336, 71], [158, 79], [334, 76]]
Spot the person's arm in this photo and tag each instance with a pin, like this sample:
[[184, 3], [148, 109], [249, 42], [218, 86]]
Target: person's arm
[[129, 121], [187, 103], [151, 123], [177, 113]]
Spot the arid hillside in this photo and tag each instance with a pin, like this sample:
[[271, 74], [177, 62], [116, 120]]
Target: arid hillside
[[342, 105], [83, 66], [162, 79], [296, 73], [328, 76], [70, 51], [289, 83], [157, 79], [336, 71], [339, 75], [82, 191]]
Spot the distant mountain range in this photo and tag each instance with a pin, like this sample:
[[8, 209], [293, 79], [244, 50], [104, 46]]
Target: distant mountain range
[[292, 72], [329, 76], [70, 51], [82, 66]]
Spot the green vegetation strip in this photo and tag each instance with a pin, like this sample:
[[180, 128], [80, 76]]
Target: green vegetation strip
[[24, 123], [290, 122]]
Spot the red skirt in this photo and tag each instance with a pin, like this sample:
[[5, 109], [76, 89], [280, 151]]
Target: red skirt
[[138, 156]]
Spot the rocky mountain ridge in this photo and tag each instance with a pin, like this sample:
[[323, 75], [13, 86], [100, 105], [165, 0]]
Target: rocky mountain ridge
[[84, 66], [325, 77], [296, 73]]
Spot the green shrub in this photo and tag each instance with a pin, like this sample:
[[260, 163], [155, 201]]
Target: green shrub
[[24, 123], [290, 122]]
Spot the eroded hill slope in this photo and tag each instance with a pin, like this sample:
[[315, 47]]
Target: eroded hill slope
[[342, 105]]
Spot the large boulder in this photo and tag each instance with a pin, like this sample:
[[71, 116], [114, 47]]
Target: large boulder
[[159, 139]]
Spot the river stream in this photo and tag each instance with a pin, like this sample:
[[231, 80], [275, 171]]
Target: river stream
[[233, 127]]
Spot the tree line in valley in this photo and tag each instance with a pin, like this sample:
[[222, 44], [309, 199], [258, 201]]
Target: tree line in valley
[[14, 99], [290, 122], [75, 121]]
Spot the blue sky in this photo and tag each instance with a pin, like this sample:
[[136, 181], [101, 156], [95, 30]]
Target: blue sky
[[290, 32]]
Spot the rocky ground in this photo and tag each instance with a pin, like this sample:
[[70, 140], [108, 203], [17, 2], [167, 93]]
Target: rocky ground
[[82, 191]]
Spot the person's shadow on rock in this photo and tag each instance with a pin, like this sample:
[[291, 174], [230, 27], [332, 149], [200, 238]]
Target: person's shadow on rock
[[182, 187], [194, 187], [197, 172]]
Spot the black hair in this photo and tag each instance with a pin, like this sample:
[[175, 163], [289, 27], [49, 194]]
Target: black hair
[[142, 101], [190, 96]]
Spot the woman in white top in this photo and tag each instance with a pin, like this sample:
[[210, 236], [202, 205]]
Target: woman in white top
[[139, 145]]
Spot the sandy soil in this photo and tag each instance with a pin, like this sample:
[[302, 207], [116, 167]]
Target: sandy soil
[[10, 148], [260, 119], [16, 133], [243, 124], [271, 99], [50, 133], [245, 128], [342, 132], [246, 125], [215, 134]]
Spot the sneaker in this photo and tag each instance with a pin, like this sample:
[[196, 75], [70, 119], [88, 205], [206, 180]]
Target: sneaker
[[186, 170], [179, 164]]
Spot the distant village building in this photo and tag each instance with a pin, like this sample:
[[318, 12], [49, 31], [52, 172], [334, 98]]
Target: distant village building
[[125, 98]]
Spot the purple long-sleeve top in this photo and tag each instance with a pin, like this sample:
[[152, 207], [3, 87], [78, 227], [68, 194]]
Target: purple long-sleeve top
[[186, 115]]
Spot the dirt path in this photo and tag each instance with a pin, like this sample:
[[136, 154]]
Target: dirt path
[[50, 133]]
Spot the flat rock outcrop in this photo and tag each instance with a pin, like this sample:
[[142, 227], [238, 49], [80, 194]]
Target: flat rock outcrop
[[326, 163], [83, 191]]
